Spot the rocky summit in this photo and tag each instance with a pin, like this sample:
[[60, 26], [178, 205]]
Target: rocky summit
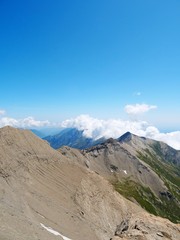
[[91, 194]]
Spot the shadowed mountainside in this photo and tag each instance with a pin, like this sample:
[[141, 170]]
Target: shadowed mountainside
[[72, 137]]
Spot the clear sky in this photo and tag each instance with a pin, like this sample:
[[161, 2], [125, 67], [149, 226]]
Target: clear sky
[[63, 58]]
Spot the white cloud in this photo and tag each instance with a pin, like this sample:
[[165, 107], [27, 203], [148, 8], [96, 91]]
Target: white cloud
[[22, 123], [2, 112], [97, 128], [138, 108], [171, 138]]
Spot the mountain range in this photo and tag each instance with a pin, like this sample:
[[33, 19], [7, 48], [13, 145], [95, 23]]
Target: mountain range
[[143, 170], [110, 191], [72, 137]]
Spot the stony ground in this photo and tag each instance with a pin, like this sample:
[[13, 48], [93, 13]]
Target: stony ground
[[44, 196]]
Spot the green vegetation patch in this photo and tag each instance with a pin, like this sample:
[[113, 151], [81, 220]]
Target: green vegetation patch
[[145, 197], [169, 173]]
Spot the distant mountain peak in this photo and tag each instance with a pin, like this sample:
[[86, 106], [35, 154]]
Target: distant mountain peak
[[126, 137], [72, 137]]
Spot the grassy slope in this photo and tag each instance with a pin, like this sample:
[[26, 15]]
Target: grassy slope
[[164, 206]]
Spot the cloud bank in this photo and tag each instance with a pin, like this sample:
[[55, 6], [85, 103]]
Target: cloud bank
[[97, 128], [138, 108], [22, 123]]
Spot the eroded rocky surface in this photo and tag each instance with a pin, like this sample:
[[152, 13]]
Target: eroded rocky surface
[[43, 192]]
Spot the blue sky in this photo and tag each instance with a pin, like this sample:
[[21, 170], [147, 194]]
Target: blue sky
[[63, 58]]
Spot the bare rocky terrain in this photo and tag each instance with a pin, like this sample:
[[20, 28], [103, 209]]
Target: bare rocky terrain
[[47, 194], [143, 170]]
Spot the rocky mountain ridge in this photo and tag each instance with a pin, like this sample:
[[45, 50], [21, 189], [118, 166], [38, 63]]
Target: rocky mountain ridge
[[140, 164], [47, 194]]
